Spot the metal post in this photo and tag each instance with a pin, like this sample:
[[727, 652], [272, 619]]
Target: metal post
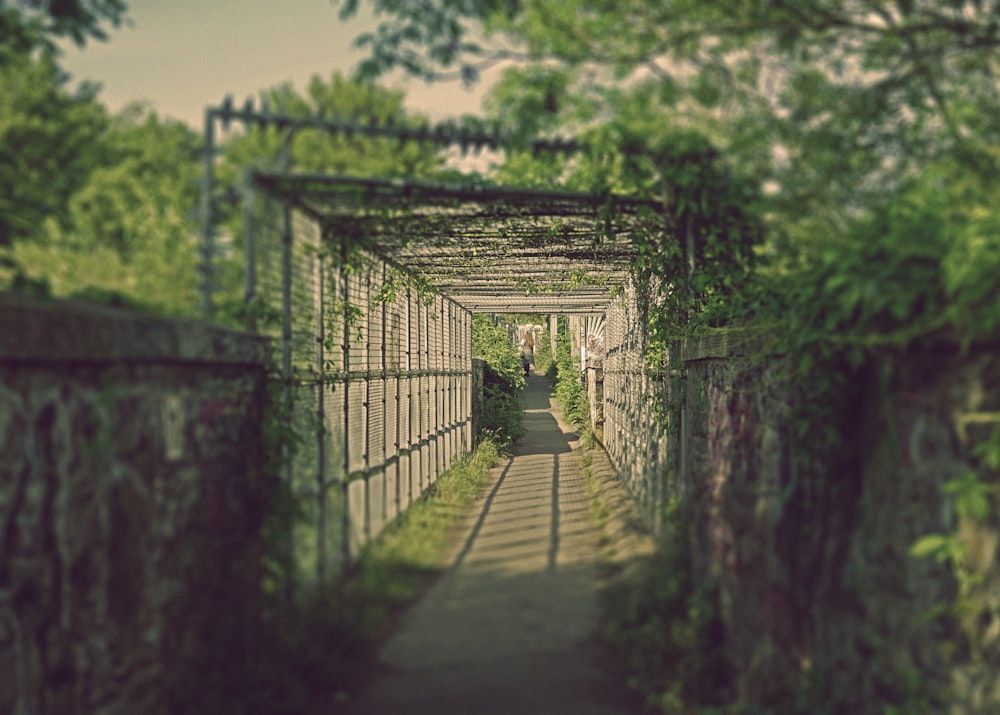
[[345, 295], [441, 396], [470, 434], [366, 411], [453, 378], [409, 394], [397, 438], [465, 364], [321, 515], [422, 354], [383, 368], [286, 377], [431, 398], [553, 334]]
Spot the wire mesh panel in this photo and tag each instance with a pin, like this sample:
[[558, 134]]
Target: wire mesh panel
[[368, 379], [635, 418]]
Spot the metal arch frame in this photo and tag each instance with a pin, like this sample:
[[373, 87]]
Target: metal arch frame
[[489, 248], [470, 134]]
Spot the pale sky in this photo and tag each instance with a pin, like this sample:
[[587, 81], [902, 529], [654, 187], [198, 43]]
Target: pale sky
[[183, 55]]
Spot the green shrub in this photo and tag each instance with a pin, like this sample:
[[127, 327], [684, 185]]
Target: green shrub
[[668, 631], [500, 414], [569, 383]]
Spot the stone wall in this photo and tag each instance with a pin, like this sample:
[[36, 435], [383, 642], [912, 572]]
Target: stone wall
[[131, 497], [818, 590]]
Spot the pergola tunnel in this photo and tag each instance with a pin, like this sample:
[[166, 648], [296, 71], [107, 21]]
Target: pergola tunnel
[[368, 287]]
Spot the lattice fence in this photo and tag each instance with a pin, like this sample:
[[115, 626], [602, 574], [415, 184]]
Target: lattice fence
[[376, 383], [636, 406]]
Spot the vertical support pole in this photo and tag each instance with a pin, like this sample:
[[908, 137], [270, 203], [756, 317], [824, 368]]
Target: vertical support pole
[[465, 365], [397, 392], [444, 432], [208, 215], [457, 380], [286, 377], [452, 381], [452, 412], [416, 397], [429, 416], [409, 395], [383, 369], [471, 435], [321, 516], [553, 334], [345, 295], [366, 411]]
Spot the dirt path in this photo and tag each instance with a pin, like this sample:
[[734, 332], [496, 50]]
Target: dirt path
[[511, 626]]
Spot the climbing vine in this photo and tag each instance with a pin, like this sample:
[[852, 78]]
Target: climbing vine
[[973, 496], [395, 281], [569, 389]]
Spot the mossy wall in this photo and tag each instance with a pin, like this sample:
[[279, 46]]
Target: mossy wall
[[131, 499], [821, 598]]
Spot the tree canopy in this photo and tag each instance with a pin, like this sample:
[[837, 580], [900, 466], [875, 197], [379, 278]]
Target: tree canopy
[[107, 206], [828, 101], [47, 143], [129, 226], [839, 111], [33, 24], [317, 151], [47, 133]]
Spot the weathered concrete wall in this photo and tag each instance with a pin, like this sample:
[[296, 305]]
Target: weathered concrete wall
[[130, 505], [818, 588]]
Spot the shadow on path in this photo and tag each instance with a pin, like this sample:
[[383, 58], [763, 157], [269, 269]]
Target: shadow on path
[[511, 626]]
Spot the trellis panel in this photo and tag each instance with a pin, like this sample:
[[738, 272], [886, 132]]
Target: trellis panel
[[364, 377]]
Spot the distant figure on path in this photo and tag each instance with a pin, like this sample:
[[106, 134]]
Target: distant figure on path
[[527, 351]]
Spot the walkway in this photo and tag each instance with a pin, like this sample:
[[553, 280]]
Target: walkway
[[511, 626]]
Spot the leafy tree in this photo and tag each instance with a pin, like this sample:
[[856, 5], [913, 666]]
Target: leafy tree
[[131, 226], [317, 151], [831, 103], [148, 179], [109, 205], [48, 143], [34, 24], [921, 269], [47, 134]]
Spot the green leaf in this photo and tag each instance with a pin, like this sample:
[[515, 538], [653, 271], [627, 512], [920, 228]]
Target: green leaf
[[935, 546]]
